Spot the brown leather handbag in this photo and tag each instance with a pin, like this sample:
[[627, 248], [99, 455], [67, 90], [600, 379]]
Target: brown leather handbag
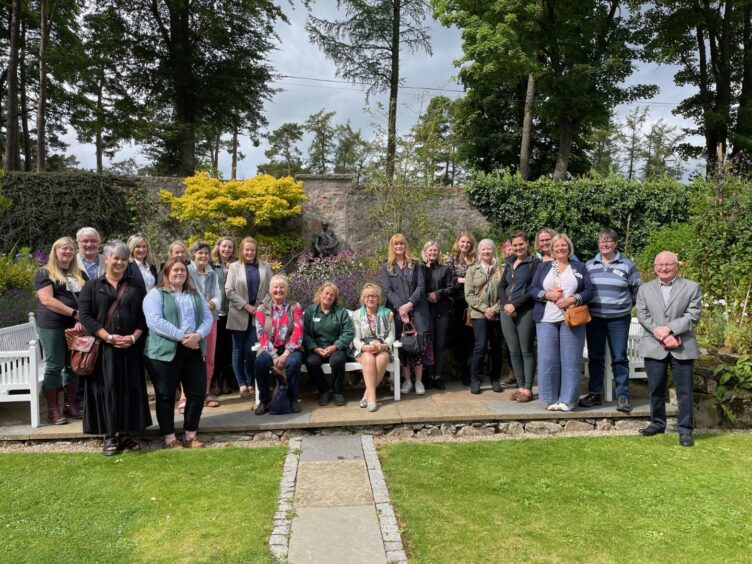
[[85, 348], [577, 315]]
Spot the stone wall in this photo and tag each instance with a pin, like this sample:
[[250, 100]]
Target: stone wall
[[349, 210]]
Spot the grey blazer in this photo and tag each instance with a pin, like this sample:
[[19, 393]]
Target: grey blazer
[[236, 288], [681, 314]]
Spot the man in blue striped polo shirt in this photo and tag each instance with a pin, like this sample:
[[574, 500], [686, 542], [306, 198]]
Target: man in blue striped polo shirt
[[615, 282]]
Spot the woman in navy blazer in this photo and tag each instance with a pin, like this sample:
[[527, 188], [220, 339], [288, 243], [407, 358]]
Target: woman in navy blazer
[[141, 269], [557, 285]]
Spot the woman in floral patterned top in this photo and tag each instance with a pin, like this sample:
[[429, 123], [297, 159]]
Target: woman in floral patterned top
[[463, 256], [279, 327]]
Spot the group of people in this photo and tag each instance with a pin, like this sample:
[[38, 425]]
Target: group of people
[[213, 319]]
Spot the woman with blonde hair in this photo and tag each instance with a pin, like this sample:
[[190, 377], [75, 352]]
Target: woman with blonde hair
[[481, 293], [372, 344], [438, 279], [58, 284], [223, 381], [327, 335], [247, 285], [405, 288], [141, 268], [462, 257]]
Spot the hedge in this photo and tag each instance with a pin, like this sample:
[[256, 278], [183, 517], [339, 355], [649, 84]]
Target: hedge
[[581, 207], [46, 206]]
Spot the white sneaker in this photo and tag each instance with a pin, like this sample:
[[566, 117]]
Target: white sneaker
[[553, 407], [564, 406], [420, 389], [407, 386]]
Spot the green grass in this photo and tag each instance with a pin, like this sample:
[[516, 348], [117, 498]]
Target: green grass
[[212, 505], [582, 499]]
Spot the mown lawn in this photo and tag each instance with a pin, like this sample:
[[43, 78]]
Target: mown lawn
[[581, 499], [212, 505]]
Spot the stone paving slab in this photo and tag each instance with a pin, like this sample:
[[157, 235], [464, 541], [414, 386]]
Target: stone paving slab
[[352, 413], [329, 484], [323, 448], [341, 535]]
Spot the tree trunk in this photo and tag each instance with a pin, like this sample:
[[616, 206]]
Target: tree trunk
[[742, 138], [42, 99], [98, 142], [391, 135], [11, 120], [234, 167], [24, 101], [527, 128], [711, 138], [181, 58], [566, 135]]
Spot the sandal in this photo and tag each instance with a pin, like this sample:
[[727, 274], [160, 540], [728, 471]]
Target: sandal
[[211, 402], [524, 396], [110, 447], [174, 443], [181, 406], [364, 402], [128, 443], [245, 393]]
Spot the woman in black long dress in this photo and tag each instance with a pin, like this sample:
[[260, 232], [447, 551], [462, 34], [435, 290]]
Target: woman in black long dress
[[115, 401]]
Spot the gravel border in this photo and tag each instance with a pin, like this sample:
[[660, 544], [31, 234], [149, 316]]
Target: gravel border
[[390, 534], [279, 541]]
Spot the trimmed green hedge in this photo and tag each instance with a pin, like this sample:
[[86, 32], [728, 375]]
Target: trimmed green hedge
[[47, 206], [581, 207]]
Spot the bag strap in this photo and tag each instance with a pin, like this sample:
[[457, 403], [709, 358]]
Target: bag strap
[[114, 305]]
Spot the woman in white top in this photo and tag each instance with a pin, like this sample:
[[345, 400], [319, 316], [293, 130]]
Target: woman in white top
[[141, 268]]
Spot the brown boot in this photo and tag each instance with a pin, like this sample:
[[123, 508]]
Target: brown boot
[[70, 409], [54, 417]]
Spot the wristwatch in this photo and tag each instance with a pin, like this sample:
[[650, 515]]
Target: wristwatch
[[110, 338]]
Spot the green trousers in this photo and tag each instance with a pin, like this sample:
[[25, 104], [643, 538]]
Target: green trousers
[[57, 372]]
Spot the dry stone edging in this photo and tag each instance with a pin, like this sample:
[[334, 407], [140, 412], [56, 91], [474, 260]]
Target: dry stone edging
[[279, 541]]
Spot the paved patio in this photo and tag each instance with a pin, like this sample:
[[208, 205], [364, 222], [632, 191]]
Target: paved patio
[[455, 404]]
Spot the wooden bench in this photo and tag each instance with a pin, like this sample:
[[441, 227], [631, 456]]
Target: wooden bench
[[21, 365], [636, 361], [392, 369]]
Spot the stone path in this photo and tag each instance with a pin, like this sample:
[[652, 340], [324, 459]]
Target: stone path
[[334, 505]]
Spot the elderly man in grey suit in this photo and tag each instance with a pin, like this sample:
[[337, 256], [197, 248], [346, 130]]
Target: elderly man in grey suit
[[669, 308]]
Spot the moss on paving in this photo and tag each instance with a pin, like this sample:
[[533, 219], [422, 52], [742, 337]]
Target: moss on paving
[[581, 499], [154, 506]]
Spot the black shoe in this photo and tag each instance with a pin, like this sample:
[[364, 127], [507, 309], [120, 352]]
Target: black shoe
[[261, 409], [496, 386], [623, 404], [295, 406], [686, 440], [474, 387], [323, 398], [651, 430], [427, 383], [438, 384], [590, 400], [339, 399]]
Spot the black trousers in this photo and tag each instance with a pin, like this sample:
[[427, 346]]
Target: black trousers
[[223, 354], [336, 360], [683, 374], [439, 328], [187, 368]]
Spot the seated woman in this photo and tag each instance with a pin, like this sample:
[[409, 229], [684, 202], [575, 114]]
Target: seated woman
[[405, 289], [115, 401], [58, 284], [279, 327], [374, 337], [327, 334], [557, 285], [179, 320]]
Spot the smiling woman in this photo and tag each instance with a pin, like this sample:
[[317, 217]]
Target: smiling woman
[[115, 400]]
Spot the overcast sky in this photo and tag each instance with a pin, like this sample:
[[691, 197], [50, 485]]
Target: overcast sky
[[301, 97]]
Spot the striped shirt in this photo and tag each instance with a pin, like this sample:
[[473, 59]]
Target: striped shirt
[[615, 286]]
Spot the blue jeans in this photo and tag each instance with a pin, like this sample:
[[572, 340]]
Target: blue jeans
[[486, 332], [559, 362], [243, 359], [264, 364], [616, 332]]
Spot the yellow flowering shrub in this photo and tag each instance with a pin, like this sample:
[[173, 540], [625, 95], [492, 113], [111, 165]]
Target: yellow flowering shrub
[[210, 207]]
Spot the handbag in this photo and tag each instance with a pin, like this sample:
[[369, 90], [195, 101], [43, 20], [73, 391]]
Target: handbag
[[85, 348], [279, 404], [577, 315], [467, 319], [412, 341]]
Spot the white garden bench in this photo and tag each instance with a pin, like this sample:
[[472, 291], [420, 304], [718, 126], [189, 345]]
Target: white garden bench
[[21, 365], [636, 361], [392, 369]]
